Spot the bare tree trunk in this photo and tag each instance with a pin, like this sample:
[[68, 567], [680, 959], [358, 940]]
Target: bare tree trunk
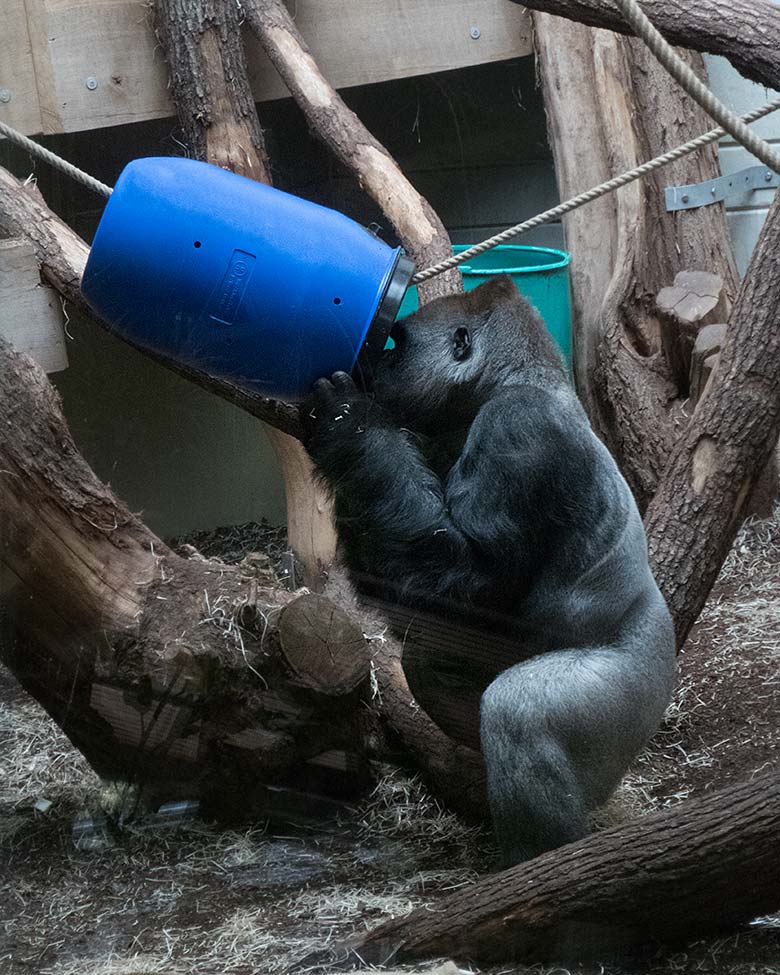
[[744, 31], [608, 94], [211, 91], [706, 865], [419, 227], [622, 372], [209, 84], [695, 514]]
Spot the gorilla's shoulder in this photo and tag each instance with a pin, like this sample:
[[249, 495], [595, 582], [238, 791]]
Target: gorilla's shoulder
[[526, 412]]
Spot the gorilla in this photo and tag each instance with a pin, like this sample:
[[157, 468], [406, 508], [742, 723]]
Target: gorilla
[[469, 486]]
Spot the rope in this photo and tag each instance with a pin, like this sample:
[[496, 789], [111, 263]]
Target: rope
[[36, 149], [736, 127], [588, 196], [687, 78]]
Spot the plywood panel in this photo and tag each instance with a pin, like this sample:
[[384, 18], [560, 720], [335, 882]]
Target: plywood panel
[[30, 312], [354, 42], [360, 42], [17, 71]]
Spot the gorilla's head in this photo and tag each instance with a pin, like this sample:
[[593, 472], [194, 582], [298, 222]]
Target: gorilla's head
[[453, 354]]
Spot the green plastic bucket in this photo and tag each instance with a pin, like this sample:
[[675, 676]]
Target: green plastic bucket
[[541, 275]]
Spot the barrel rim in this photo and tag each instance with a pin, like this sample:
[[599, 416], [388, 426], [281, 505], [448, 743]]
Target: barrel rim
[[562, 259]]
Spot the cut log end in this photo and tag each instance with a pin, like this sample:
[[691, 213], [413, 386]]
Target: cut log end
[[323, 648]]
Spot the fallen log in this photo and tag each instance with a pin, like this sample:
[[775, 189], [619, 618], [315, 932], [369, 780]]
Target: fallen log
[[154, 665], [188, 677], [702, 867]]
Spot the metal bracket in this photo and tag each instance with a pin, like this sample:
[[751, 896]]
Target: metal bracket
[[715, 190]]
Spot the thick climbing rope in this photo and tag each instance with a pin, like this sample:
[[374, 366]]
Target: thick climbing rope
[[589, 195], [36, 149]]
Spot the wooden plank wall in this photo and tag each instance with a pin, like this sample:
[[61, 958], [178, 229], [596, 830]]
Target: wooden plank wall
[[17, 71], [31, 316], [50, 48]]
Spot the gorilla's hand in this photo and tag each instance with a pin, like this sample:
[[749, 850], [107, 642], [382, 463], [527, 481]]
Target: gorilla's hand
[[336, 408]]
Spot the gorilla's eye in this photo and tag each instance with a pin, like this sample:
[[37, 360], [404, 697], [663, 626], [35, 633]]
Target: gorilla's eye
[[461, 344]]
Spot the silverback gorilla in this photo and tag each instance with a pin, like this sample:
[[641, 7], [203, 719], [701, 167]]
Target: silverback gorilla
[[468, 484]]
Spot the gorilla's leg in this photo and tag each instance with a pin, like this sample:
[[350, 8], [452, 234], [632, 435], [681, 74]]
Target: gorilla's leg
[[535, 800], [557, 732]]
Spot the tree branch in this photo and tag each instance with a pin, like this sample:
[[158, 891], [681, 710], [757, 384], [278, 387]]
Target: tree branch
[[744, 31], [62, 255], [694, 516], [703, 866], [419, 226]]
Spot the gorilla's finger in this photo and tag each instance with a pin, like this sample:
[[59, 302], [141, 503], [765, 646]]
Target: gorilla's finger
[[343, 382], [324, 389]]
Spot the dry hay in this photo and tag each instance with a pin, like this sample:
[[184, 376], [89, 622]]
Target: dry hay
[[141, 897], [145, 899], [724, 722]]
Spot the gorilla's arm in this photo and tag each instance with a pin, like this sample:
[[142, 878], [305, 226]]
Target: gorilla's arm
[[529, 481], [390, 506]]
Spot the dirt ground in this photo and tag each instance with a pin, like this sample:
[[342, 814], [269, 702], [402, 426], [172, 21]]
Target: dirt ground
[[83, 891]]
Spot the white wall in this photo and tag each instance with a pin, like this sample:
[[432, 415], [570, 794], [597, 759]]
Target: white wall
[[747, 212]]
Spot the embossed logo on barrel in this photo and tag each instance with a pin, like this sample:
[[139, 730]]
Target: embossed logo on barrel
[[226, 300]]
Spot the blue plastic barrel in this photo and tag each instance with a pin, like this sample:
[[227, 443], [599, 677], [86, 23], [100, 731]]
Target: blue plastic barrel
[[238, 279], [541, 275]]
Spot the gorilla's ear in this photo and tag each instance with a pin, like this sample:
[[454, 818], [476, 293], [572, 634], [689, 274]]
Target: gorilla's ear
[[484, 298]]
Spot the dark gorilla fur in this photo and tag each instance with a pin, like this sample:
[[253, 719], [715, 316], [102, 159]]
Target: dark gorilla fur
[[469, 484]]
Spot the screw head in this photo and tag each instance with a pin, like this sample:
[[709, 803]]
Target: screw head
[[768, 177], [685, 198], [91, 82], [5, 95], [475, 32]]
